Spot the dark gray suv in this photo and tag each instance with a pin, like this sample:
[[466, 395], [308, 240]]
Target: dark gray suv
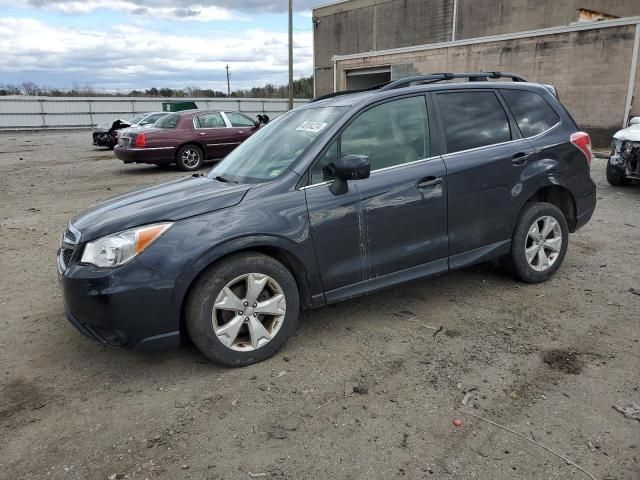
[[341, 197]]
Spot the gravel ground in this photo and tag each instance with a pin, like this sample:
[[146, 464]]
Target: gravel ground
[[548, 361]]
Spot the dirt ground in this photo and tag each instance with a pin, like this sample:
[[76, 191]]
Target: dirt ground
[[548, 361]]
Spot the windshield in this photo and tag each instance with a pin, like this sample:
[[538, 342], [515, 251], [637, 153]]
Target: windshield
[[169, 121], [272, 149], [137, 118]]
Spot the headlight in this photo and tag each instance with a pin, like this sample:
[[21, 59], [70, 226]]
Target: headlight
[[117, 249]]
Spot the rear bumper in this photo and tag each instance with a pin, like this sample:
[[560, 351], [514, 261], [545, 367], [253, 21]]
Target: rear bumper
[[158, 155], [584, 192], [133, 306]]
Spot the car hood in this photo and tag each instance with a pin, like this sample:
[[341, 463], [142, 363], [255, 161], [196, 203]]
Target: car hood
[[170, 201], [629, 134]]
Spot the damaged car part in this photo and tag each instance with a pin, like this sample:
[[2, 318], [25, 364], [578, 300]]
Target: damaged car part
[[106, 134], [624, 163]]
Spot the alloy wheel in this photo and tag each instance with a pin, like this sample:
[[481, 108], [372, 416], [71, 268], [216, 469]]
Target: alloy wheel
[[543, 243], [190, 158], [248, 312]]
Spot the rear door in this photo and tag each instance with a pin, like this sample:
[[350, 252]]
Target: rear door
[[485, 157], [214, 134]]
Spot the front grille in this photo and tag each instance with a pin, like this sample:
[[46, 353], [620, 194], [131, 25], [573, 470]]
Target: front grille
[[68, 245], [65, 254]]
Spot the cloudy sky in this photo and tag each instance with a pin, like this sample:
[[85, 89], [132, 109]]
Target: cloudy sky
[[124, 44]]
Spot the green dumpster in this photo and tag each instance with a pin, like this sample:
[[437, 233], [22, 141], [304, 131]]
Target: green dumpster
[[178, 106]]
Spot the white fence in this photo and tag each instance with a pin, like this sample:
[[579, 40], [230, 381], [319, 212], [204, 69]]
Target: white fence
[[74, 112]]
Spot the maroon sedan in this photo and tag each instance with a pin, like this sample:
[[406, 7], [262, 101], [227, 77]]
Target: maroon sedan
[[186, 138]]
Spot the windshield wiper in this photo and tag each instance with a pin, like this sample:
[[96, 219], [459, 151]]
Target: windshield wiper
[[224, 179]]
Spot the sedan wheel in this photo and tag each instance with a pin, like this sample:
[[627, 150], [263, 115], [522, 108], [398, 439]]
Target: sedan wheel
[[189, 158]]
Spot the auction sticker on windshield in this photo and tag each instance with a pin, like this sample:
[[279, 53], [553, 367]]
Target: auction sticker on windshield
[[313, 127]]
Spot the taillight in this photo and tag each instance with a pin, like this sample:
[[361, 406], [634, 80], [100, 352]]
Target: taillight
[[582, 140], [141, 140]]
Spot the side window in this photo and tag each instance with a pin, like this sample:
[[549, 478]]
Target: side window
[[239, 120], [320, 172], [473, 119], [151, 119], [390, 134], [209, 120], [532, 113]]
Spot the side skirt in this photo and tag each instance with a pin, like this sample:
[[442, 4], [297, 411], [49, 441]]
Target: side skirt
[[391, 279], [481, 254]]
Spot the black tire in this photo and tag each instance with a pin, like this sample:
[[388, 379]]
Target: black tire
[[615, 176], [203, 295], [516, 262], [189, 158]]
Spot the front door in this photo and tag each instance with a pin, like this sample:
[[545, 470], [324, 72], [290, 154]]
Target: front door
[[391, 226]]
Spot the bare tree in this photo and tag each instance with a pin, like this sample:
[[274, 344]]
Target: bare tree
[[29, 88]]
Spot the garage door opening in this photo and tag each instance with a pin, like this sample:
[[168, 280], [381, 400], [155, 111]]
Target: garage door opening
[[367, 77]]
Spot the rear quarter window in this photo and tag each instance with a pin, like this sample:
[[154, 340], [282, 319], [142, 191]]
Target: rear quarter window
[[472, 120], [532, 112], [170, 121]]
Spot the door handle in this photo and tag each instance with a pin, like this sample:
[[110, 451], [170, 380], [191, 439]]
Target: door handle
[[520, 158], [202, 133], [240, 133], [429, 182]]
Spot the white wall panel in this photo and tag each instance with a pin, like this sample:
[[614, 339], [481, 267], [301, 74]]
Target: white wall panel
[[58, 112]]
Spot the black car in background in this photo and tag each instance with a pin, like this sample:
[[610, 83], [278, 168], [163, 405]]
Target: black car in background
[[338, 198]]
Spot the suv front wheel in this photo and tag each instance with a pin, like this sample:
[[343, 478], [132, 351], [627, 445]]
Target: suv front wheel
[[539, 243], [242, 309]]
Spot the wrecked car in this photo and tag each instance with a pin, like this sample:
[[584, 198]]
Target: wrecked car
[[106, 134], [624, 164]]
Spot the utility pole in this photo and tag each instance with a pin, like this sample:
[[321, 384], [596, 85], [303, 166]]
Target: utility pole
[[290, 54], [228, 85]]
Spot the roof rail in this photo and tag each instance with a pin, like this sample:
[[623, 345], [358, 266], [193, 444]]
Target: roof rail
[[439, 77], [348, 92], [426, 79]]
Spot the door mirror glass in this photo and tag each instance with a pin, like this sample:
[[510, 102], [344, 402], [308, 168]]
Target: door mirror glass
[[348, 167]]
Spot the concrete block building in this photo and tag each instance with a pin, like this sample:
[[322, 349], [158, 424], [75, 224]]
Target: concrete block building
[[587, 49]]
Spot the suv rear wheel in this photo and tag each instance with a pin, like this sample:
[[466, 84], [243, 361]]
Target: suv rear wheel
[[539, 243], [243, 309]]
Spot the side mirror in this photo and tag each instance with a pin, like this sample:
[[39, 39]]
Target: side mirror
[[349, 167], [634, 121], [262, 120]]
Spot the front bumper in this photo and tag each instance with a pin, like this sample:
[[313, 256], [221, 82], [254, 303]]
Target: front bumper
[[158, 155], [132, 306]]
